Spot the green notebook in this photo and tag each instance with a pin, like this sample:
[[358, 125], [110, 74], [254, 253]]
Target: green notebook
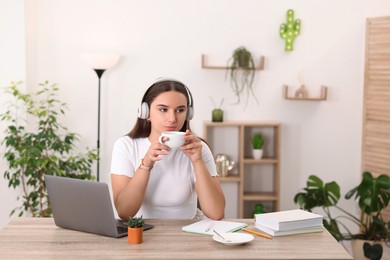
[[207, 226]]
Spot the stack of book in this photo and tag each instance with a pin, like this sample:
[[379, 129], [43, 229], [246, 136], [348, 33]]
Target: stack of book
[[289, 222]]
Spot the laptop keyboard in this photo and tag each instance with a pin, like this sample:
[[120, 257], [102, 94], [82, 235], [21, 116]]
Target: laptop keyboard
[[121, 230]]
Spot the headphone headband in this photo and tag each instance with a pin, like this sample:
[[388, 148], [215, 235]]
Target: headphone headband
[[143, 110]]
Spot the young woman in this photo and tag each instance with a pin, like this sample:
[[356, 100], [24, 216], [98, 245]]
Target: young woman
[[150, 179]]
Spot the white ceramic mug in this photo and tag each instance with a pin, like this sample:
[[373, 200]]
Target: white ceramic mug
[[174, 139]]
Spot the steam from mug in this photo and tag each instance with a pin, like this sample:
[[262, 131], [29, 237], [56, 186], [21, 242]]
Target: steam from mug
[[175, 139]]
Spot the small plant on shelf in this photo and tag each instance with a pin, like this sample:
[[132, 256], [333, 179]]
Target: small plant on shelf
[[217, 113], [257, 145], [257, 140], [259, 209]]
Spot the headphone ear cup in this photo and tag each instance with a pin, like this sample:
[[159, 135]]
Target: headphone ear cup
[[190, 113], [143, 111]]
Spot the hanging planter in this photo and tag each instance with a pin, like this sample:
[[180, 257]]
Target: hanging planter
[[241, 71]]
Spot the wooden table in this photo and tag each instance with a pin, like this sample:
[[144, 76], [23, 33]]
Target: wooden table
[[39, 238]]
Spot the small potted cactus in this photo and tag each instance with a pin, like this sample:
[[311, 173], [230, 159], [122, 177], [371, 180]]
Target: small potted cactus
[[135, 230]]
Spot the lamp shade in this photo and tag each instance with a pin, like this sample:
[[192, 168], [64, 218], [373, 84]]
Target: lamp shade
[[100, 61]]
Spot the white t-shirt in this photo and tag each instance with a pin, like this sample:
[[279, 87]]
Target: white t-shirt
[[171, 192]]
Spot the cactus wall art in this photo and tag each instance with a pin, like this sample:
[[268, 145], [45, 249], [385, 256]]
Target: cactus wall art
[[290, 30]]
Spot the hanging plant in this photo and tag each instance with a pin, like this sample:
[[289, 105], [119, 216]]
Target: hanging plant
[[241, 71]]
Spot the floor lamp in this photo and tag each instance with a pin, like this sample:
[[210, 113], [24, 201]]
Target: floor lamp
[[99, 63]]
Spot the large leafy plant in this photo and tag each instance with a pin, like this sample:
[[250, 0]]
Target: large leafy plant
[[372, 194], [36, 143]]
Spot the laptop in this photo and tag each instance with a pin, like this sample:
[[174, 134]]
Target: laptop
[[84, 205]]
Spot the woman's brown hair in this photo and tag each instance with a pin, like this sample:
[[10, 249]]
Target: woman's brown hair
[[143, 127]]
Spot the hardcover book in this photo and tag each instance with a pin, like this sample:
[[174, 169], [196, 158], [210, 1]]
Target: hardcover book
[[286, 232], [289, 219]]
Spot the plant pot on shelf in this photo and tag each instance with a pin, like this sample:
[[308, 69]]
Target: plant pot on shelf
[[135, 235], [373, 249], [257, 154], [217, 115], [257, 140]]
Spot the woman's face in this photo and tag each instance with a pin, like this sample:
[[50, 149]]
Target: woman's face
[[167, 113]]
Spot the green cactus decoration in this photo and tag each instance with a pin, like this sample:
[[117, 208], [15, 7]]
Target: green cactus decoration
[[290, 30]]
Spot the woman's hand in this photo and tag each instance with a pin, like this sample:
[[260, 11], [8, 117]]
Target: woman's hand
[[193, 147], [153, 154]]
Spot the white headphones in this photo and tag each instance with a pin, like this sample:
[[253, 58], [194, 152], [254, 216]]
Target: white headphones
[[143, 110]]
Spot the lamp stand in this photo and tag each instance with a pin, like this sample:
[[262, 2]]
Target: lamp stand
[[99, 73]]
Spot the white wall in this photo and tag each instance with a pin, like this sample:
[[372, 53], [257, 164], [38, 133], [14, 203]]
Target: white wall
[[167, 38], [12, 68]]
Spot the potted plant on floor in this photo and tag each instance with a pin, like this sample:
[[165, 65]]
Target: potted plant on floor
[[135, 230], [372, 194], [36, 143], [257, 140], [241, 71]]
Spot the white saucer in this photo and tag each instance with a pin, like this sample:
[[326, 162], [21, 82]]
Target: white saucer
[[235, 238]]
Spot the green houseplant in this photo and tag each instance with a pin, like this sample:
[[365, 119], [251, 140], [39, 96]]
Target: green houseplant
[[372, 194], [257, 140], [36, 144], [135, 230], [241, 71]]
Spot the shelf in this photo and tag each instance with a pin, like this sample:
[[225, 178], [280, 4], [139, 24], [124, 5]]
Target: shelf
[[230, 179], [264, 160], [323, 95], [240, 123], [251, 172], [206, 66], [259, 196]]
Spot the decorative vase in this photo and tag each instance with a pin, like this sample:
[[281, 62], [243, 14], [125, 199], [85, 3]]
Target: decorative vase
[[257, 154], [375, 249], [217, 115], [135, 235]]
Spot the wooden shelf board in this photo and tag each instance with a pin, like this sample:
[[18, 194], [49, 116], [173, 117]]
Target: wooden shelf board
[[255, 196], [264, 160], [230, 179], [323, 96], [242, 123], [205, 66]]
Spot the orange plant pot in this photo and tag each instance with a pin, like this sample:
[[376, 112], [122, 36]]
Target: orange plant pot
[[135, 235]]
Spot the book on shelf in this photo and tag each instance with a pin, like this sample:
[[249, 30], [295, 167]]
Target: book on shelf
[[286, 232], [289, 219], [206, 226]]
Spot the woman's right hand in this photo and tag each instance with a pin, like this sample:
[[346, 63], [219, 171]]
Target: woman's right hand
[[155, 152]]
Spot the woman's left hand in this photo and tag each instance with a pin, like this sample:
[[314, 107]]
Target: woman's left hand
[[193, 147]]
